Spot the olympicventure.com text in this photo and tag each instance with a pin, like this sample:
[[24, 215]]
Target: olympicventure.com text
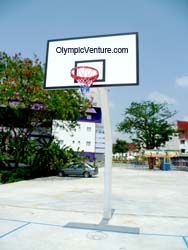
[[88, 50]]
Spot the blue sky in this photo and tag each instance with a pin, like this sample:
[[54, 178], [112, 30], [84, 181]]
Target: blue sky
[[26, 25]]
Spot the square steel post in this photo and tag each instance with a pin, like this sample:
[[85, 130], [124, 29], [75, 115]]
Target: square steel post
[[108, 154]]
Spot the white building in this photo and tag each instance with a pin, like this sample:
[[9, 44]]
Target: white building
[[82, 138], [172, 144], [179, 142], [87, 137]]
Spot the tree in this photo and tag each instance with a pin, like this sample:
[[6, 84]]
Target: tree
[[147, 122], [120, 146], [26, 106], [21, 87]]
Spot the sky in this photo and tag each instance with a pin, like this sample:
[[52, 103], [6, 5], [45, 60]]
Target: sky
[[162, 26]]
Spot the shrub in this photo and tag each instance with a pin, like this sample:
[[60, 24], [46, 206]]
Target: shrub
[[17, 174]]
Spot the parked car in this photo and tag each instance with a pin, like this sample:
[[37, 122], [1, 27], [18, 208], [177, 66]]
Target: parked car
[[79, 169]]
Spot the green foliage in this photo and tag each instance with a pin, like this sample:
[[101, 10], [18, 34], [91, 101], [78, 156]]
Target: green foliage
[[25, 107], [14, 175], [22, 80], [148, 123], [49, 157], [120, 146]]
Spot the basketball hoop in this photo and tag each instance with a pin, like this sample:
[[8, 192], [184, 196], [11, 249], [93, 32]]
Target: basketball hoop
[[86, 76]]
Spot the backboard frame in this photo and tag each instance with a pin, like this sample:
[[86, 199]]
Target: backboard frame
[[101, 81]]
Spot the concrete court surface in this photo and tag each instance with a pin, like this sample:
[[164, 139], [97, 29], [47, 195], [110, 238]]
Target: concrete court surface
[[37, 214]]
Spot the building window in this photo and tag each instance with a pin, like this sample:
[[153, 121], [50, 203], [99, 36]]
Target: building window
[[182, 150], [89, 117], [88, 129], [73, 142], [182, 141], [78, 142], [88, 143]]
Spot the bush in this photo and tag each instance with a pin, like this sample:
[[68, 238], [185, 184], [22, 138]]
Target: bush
[[14, 175], [5, 175]]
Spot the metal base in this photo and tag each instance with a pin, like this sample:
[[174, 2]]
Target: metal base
[[103, 227]]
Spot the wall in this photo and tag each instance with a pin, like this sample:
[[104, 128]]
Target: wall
[[82, 138]]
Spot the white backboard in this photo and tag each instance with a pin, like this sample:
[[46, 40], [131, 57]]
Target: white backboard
[[115, 57]]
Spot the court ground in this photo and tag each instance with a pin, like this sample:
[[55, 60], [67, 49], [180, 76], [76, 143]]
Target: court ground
[[66, 213]]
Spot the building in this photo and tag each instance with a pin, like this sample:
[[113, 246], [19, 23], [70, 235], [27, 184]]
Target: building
[[179, 142], [172, 143], [87, 138], [183, 136]]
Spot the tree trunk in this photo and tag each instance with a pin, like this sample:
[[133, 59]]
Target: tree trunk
[[151, 162]]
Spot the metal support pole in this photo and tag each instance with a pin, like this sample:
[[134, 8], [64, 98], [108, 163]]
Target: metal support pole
[[108, 154]]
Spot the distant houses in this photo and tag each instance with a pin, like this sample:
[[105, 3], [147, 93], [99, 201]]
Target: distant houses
[[176, 146], [179, 142]]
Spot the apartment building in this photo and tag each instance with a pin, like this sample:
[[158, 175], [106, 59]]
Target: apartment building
[[87, 137]]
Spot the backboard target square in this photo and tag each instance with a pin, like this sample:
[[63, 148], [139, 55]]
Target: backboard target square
[[97, 64]]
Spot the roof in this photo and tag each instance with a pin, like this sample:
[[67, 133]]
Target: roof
[[94, 112], [183, 126]]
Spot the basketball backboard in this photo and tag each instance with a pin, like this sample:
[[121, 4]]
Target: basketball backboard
[[115, 57]]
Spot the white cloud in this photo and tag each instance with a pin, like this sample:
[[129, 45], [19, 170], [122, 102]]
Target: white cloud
[[161, 98], [182, 81]]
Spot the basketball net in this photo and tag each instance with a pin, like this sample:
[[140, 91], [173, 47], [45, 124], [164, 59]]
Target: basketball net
[[85, 76]]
